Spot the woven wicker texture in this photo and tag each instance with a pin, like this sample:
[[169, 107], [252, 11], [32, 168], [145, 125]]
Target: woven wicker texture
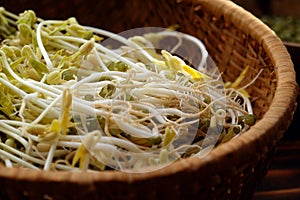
[[235, 39]]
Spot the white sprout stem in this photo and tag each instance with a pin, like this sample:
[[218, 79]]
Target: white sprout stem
[[23, 155], [162, 92], [108, 34], [171, 86], [69, 144], [104, 139], [95, 77], [106, 148], [157, 113], [43, 114], [14, 133], [12, 87], [60, 44], [133, 129], [40, 42], [253, 80], [152, 110], [110, 155], [120, 142], [8, 163], [51, 88], [50, 156], [79, 108], [100, 103], [232, 116], [249, 106], [42, 155], [44, 78], [12, 122], [18, 160], [177, 45], [99, 60]]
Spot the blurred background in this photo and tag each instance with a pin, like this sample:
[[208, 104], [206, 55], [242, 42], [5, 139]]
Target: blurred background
[[271, 7], [283, 16], [283, 179]]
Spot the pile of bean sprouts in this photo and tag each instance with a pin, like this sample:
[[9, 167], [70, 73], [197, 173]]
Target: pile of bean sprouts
[[69, 102]]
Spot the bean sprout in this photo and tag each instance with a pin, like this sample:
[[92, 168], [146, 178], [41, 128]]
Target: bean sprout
[[69, 101]]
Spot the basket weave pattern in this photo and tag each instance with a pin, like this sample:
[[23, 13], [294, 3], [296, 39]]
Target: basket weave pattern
[[235, 39]]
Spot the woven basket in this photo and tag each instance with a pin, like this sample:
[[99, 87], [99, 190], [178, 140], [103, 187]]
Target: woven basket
[[235, 39]]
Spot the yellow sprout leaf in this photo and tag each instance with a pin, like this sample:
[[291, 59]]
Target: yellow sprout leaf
[[82, 153], [51, 133], [239, 79], [170, 134], [173, 62], [97, 38], [237, 82], [80, 156], [65, 110], [55, 126], [195, 74], [178, 64], [173, 27]]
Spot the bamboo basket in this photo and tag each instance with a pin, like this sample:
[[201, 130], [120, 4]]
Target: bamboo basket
[[234, 39]]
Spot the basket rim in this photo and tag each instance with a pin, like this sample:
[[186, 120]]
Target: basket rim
[[280, 108]]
